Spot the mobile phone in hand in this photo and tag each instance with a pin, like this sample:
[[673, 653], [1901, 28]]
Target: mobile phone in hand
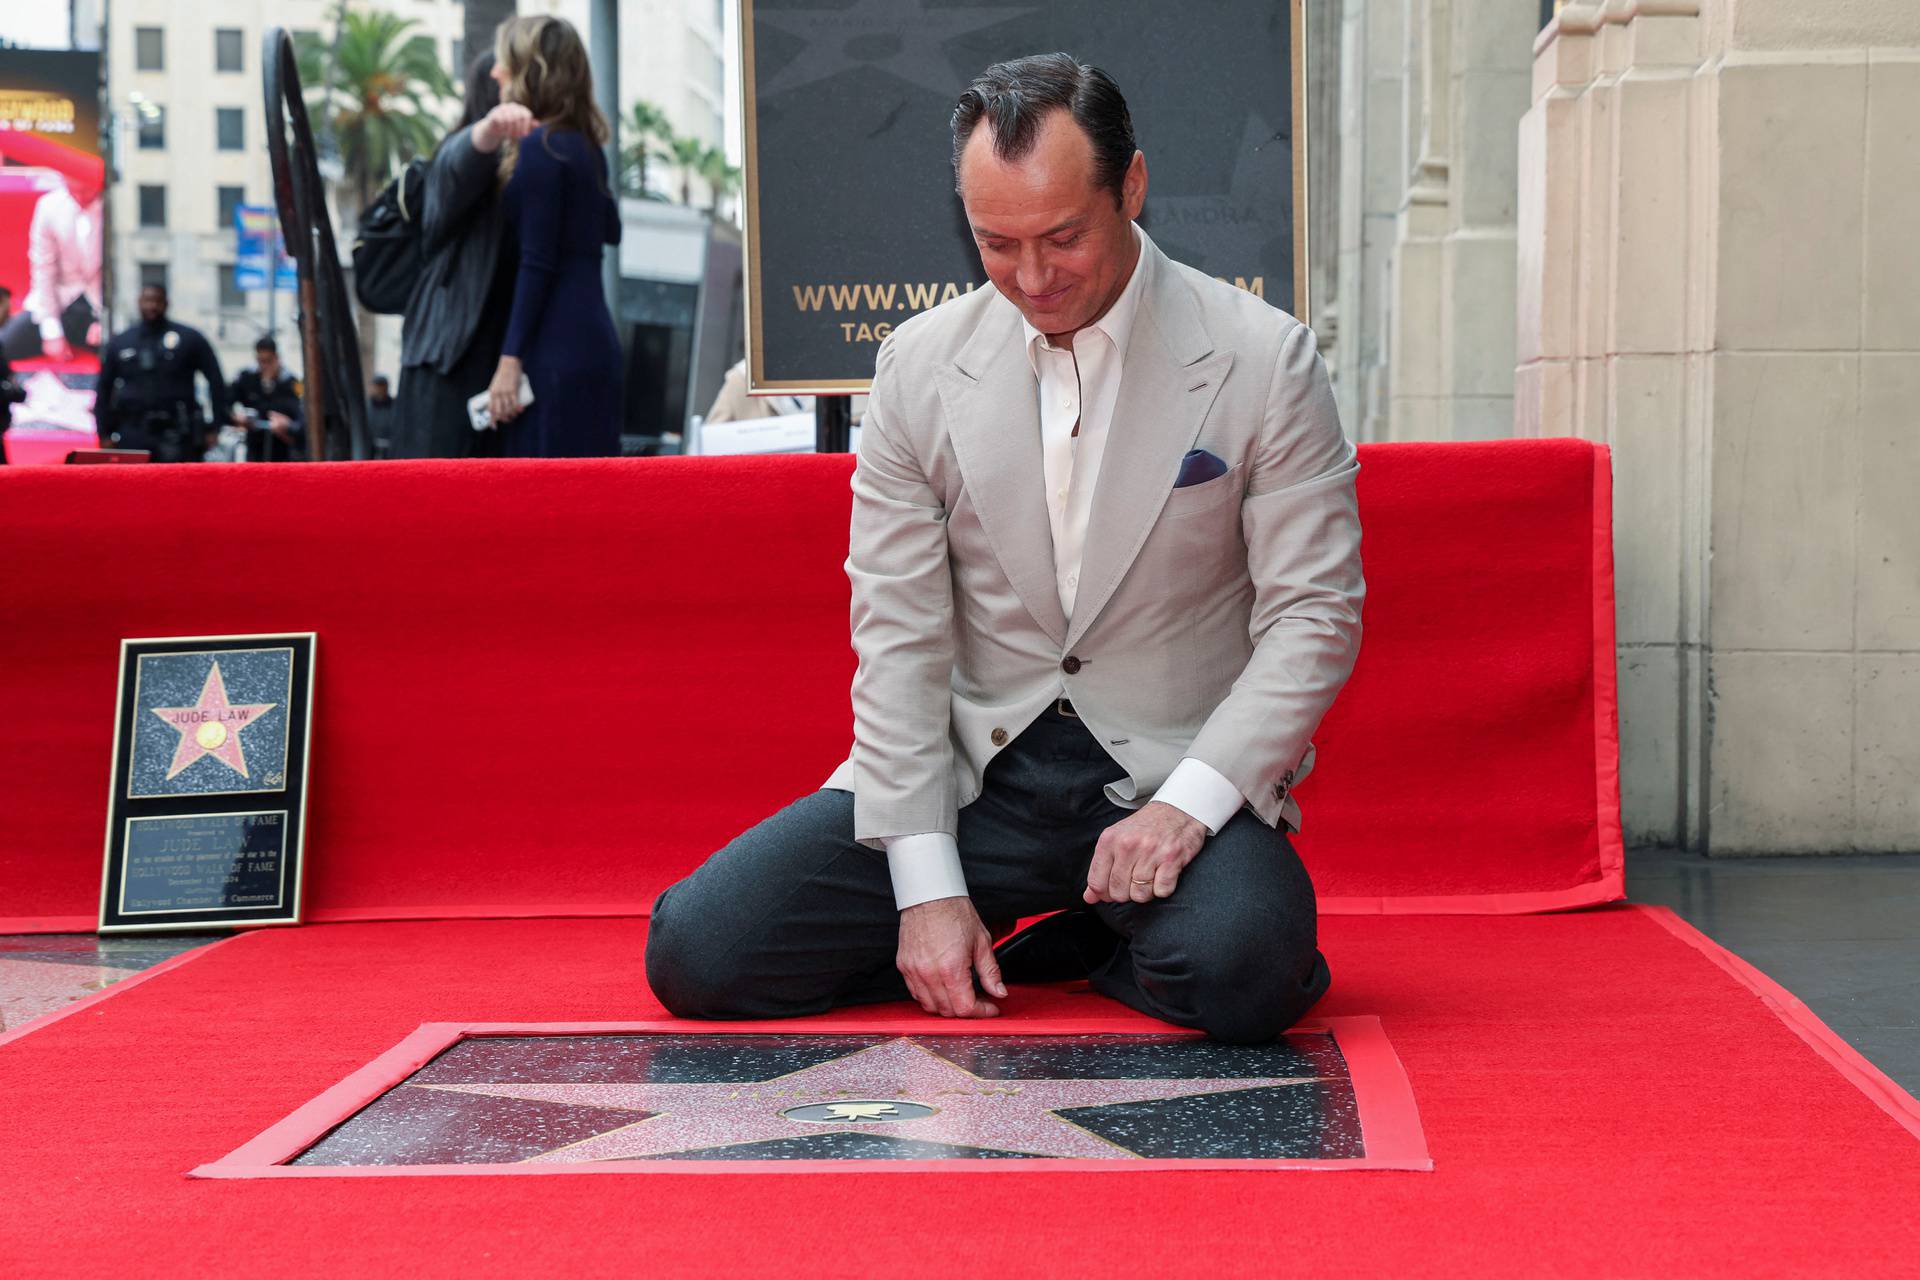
[[482, 417]]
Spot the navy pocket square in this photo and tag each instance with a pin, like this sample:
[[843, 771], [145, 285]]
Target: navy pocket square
[[1198, 467]]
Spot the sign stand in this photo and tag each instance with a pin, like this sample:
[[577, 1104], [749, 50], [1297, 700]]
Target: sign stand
[[832, 423]]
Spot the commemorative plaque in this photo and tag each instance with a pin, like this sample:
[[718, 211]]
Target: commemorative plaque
[[207, 814]]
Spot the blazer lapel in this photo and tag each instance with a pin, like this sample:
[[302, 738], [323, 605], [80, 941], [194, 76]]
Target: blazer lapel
[[993, 420], [1168, 382]]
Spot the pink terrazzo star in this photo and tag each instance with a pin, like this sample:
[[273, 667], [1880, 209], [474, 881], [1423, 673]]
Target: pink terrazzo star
[[211, 726], [967, 1110]]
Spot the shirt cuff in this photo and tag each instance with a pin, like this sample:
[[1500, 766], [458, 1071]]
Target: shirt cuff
[[1201, 792], [924, 867]]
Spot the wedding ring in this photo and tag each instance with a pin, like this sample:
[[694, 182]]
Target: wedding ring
[[1147, 881]]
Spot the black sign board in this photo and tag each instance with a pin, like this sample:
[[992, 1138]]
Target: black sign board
[[852, 220], [207, 815]]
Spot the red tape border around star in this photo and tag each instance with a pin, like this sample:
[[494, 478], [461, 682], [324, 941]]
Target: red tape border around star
[[1389, 1119], [87, 1002]]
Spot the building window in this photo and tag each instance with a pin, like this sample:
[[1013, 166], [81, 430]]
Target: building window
[[457, 51], [153, 207], [227, 53], [153, 127], [229, 127], [149, 49], [232, 297], [229, 199], [153, 273]]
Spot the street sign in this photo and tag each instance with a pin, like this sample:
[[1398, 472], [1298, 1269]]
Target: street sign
[[257, 240]]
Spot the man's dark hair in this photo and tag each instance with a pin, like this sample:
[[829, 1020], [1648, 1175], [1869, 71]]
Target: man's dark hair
[[157, 288], [1014, 97], [267, 344]]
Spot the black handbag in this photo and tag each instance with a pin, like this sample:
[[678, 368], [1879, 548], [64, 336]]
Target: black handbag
[[387, 258]]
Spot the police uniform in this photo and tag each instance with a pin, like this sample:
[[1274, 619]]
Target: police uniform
[[250, 392], [146, 399]]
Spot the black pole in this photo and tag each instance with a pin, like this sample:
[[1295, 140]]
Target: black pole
[[832, 423]]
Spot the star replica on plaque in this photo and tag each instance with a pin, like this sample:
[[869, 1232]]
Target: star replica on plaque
[[207, 813]]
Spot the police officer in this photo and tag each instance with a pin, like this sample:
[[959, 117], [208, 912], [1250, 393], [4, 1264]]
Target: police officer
[[266, 401], [146, 398]]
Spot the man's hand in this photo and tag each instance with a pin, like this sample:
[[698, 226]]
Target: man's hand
[[58, 349], [1140, 858], [281, 424], [942, 945]]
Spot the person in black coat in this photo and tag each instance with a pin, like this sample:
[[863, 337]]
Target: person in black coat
[[266, 401], [456, 320]]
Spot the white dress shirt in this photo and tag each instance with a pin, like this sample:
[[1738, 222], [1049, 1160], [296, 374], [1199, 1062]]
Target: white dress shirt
[[63, 259], [1078, 387]]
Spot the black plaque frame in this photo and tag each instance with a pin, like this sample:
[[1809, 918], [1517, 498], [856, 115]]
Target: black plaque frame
[[289, 801], [819, 183]]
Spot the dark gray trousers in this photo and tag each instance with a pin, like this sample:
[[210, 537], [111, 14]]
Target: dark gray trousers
[[796, 917]]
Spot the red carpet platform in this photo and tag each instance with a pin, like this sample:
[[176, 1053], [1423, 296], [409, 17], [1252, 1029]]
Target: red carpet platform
[[552, 688], [547, 689], [1599, 1099]]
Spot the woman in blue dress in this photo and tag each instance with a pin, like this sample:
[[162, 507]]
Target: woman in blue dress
[[559, 333]]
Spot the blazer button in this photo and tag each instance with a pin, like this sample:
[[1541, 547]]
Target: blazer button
[[999, 737], [1071, 666]]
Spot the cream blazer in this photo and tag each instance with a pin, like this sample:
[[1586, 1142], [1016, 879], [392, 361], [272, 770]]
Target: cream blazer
[[1217, 620]]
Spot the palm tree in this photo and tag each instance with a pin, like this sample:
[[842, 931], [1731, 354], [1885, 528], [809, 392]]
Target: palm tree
[[686, 154], [376, 89], [651, 137], [722, 179]]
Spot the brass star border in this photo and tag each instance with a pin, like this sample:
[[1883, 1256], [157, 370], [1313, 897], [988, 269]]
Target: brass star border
[[1392, 1136]]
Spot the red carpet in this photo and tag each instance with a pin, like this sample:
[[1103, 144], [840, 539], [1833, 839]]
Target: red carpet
[[1599, 1099], [553, 687]]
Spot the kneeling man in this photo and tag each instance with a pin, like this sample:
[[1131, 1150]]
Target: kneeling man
[[1106, 582]]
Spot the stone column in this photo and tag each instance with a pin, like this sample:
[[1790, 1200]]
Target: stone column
[[1718, 271], [1371, 187], [1324, 22], [1467, 75]]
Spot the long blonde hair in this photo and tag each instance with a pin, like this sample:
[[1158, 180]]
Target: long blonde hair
[[549, 74]]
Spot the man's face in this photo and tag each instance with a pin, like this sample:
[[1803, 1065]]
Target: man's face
[[153, 305], [83, 191], [1055, 243], [269, 365]]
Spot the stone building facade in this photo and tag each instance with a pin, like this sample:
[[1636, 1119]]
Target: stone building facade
[[1685, 228]]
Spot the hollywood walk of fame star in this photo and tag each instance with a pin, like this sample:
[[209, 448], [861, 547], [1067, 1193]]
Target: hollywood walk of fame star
[[899, 37], [1224, 232], [211, 726], [961, 1109]]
